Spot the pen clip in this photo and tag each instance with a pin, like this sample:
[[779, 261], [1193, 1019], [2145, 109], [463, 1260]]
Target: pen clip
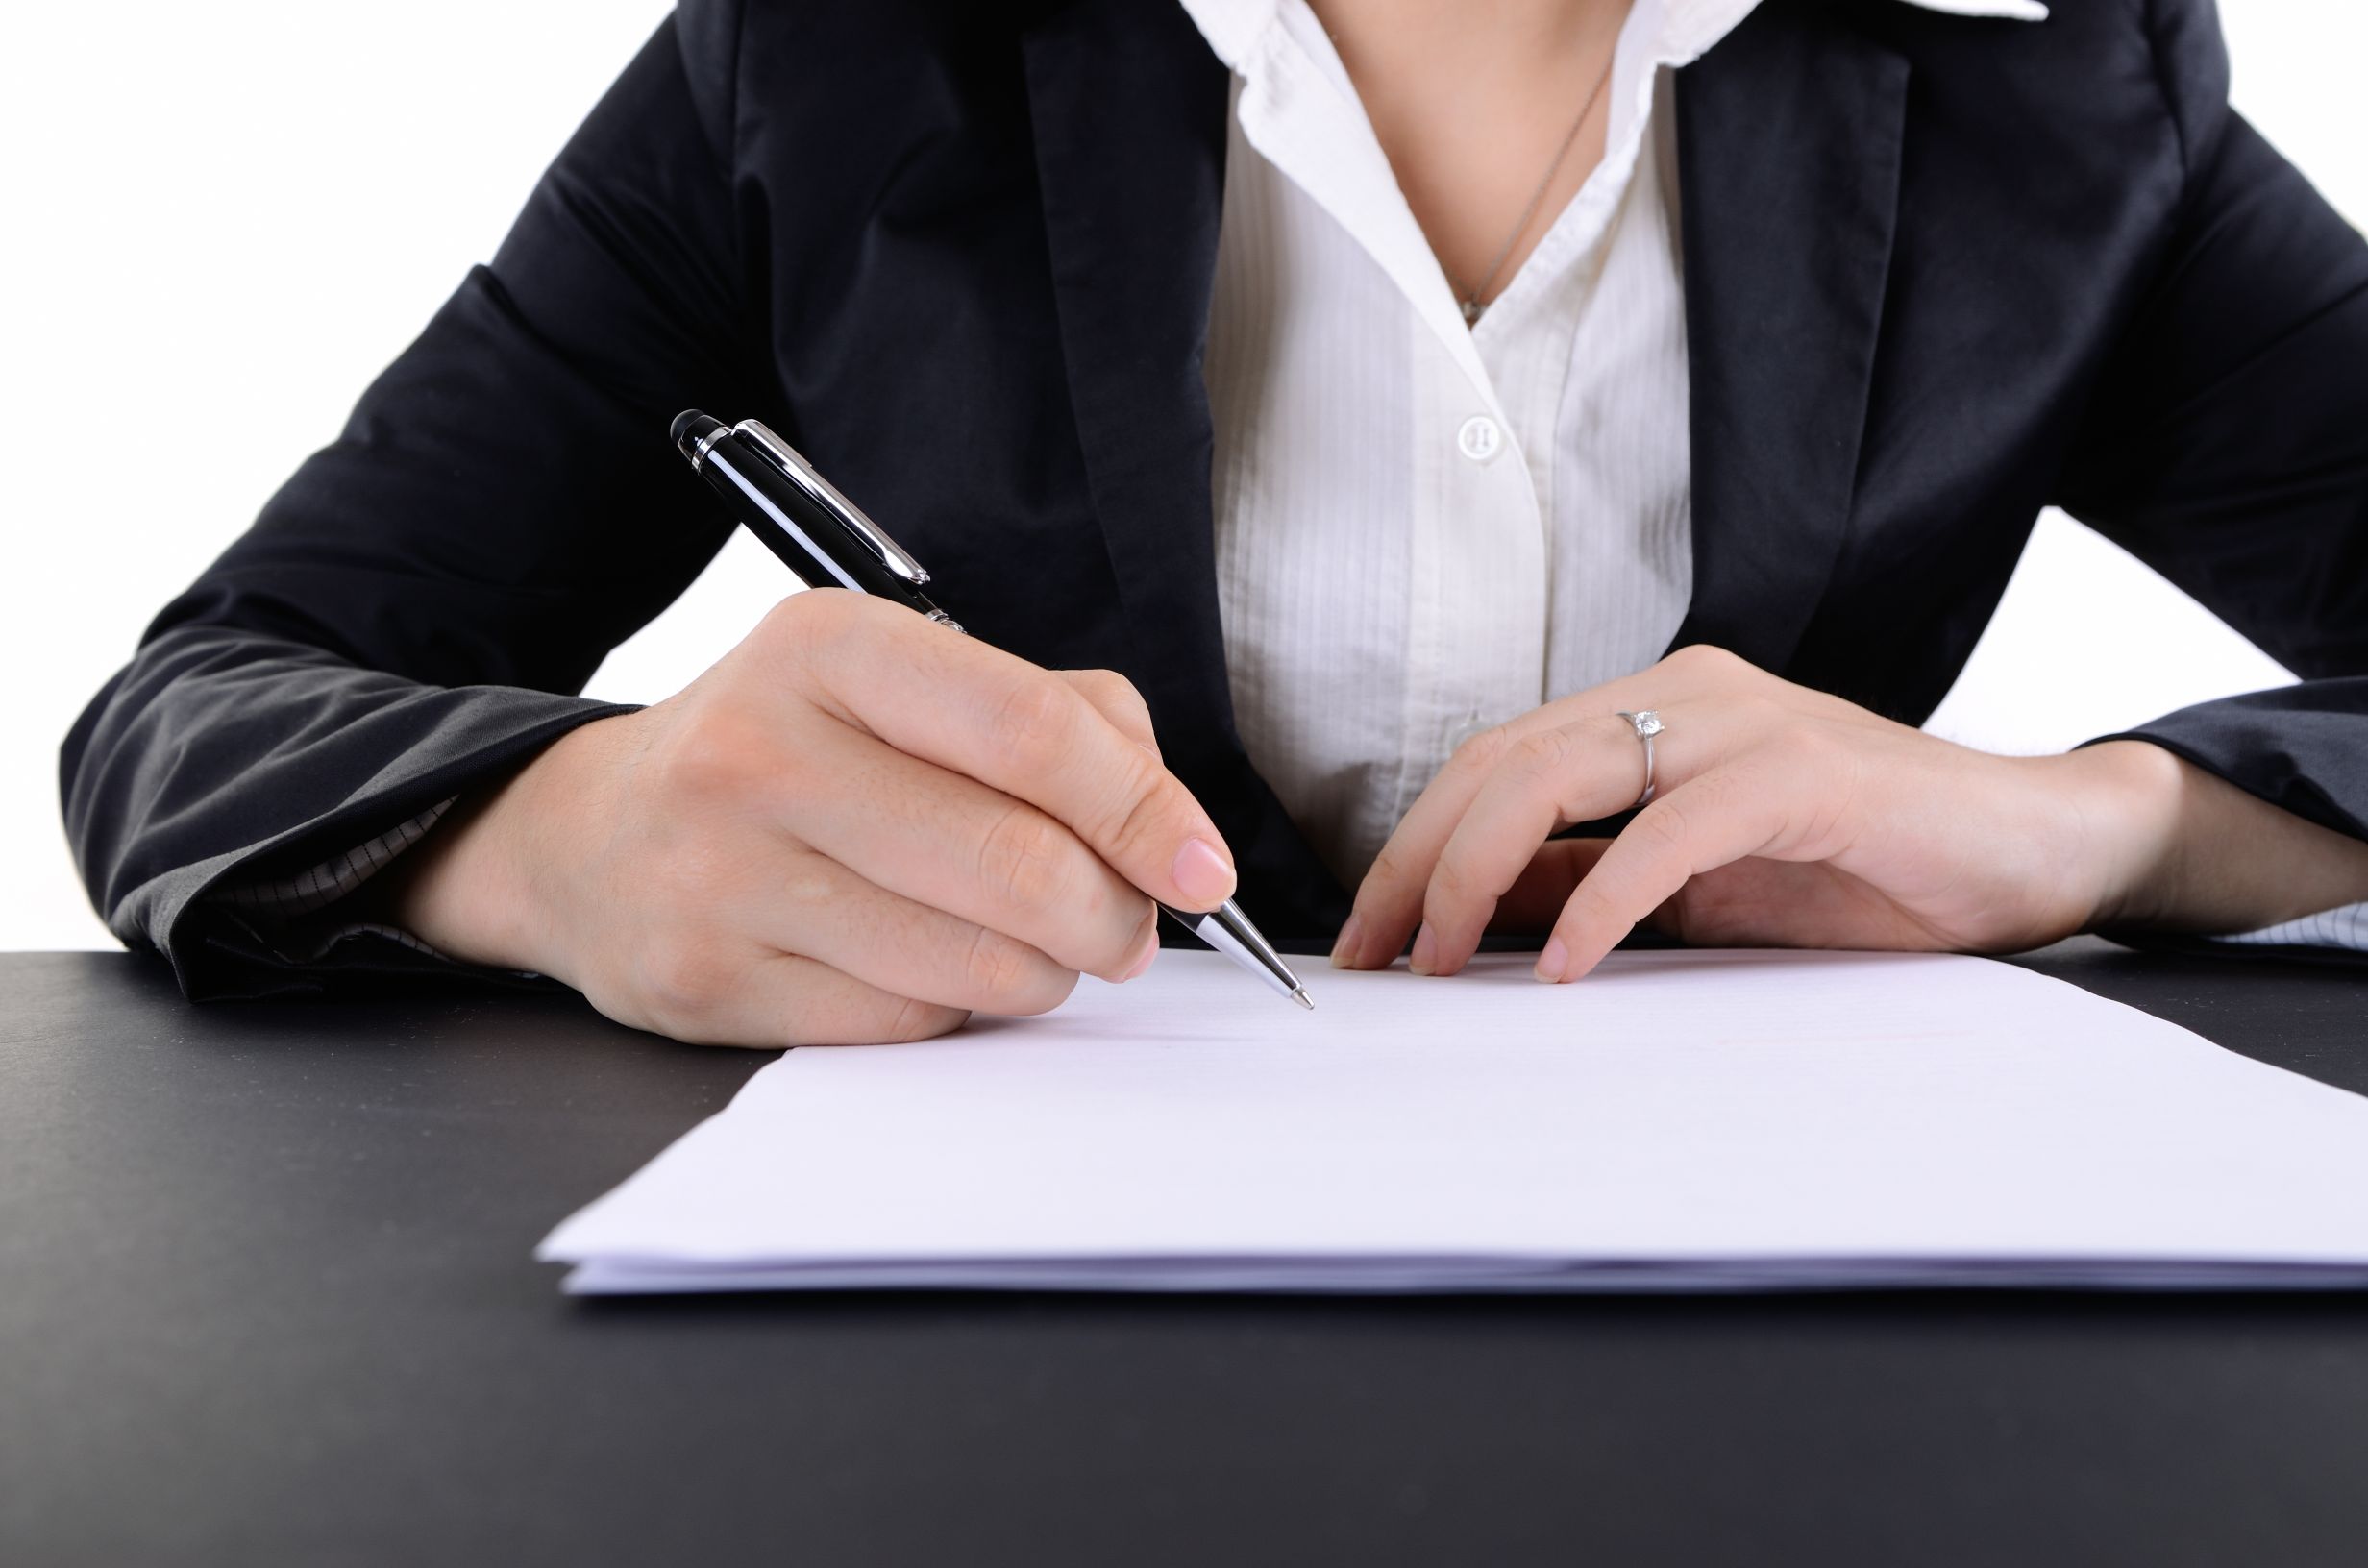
[[801, 474]]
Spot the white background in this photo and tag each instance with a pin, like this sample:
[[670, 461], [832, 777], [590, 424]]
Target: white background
[[226, 217]]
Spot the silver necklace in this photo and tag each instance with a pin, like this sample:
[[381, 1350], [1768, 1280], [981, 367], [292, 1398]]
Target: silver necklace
[[1469, 300]]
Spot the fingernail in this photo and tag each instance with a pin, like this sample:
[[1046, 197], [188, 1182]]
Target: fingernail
[[1201, 873], [1345, 947], [1553, 961], [1426, 950], [1151, 951]]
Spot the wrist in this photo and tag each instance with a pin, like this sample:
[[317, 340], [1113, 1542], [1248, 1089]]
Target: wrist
[[2133, 804], [479, 888], [2185, 850]]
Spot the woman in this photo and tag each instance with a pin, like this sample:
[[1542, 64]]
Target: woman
[[1381, 389]]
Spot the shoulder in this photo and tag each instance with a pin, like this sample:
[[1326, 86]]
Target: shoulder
[[810, 58], [718, 36], [2117, 91], [2113, 62]]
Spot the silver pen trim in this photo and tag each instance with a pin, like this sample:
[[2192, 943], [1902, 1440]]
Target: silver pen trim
[[805, 477], [1230, 931]]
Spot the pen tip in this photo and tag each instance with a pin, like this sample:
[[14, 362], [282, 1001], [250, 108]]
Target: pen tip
[[1300, 997]]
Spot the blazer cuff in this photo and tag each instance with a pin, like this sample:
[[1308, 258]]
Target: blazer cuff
[[2303, 748], [298, 917], [262, 921]]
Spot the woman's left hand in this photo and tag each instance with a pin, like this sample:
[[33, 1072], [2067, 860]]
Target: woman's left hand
[[1786, 817]]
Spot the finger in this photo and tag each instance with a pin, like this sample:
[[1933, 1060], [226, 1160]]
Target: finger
[[974, 710], [1388, 901], [1115, 698], [1763, 902], [946, 841], [703, 996], [1535, 901], [1536, 898], [1711, 822], [825, 911], [1573, 773]]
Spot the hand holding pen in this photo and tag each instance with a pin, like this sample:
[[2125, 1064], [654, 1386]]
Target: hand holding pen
[[856, 826], [828, 541]]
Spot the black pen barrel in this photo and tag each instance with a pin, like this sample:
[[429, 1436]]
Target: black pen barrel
[[791, 522]]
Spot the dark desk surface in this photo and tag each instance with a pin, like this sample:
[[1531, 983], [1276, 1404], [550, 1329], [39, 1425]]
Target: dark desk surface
[[266, 1297]]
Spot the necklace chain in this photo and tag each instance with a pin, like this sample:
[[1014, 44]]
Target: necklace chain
[[1469, 299]]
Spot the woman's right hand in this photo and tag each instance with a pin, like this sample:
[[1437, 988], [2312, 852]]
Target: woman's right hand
[[858, 826]]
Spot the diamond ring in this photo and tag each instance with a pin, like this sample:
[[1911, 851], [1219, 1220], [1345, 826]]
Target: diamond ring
[[1647, 725]]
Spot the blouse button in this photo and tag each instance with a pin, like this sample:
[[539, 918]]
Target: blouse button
[[1480, 439]]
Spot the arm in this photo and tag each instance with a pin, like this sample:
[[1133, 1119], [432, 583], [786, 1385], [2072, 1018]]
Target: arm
[[857, 825], [2229, 450], [410, 615]]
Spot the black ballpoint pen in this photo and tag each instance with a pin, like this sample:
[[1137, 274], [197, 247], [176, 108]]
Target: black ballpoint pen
[[827, 542]]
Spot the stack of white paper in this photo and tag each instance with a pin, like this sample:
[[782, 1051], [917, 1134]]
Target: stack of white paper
[[1689, 1119]]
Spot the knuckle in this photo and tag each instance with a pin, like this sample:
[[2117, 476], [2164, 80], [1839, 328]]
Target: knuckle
[[997, 970], [829, 627], [1105, 686], [913, 1019], [716, 756], [1148, 811], [1659, 830], [1705, 659], [1716, 794], [1033, 723], [1117, 696], [1807, 748], [683, 979], [1389, 870], [1480, 753], [811, 883], [794, 611], [805, 619], [1452, 887], [1546, 755], [1591, 904], [1024, 860], [1124, 695], [1761, 714]]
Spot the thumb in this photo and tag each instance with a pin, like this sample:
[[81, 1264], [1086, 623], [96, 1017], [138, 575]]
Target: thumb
[[1114, 697]]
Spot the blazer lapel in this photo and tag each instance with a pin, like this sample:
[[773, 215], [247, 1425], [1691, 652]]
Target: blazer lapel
[[1130, 149], [1789, 155], [1788, 146], [1129, 110]]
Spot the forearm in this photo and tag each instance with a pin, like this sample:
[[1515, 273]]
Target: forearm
[[2191, 852]]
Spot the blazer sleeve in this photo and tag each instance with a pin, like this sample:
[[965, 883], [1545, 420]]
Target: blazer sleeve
[[415, 610], [2228, 446]]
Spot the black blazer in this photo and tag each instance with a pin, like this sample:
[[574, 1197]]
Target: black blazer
[[1939, 272]]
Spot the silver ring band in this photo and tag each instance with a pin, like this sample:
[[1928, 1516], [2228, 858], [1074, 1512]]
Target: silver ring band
[[1647, 725]]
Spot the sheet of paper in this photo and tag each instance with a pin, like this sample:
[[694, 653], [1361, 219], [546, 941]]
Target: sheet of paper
[[1679, 1120]]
